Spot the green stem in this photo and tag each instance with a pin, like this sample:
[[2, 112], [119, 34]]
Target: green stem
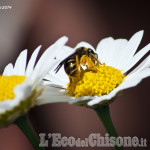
[[25, 127], [104, 115]]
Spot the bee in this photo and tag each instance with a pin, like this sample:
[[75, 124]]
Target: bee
[[72, 63]]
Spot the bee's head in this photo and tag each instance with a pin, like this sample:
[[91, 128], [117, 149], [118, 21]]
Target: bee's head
[[90, 51]]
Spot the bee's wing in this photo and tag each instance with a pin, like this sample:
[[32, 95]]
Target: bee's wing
[[62, 62], [60, 65]]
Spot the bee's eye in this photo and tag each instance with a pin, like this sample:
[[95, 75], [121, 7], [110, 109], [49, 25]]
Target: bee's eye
[[90, 51]]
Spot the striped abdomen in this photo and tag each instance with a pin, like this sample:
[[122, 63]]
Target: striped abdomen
[[71, 66]]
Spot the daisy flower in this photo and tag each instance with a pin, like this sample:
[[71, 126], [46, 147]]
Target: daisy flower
[[117, 58], [20, 86], [95, 83]]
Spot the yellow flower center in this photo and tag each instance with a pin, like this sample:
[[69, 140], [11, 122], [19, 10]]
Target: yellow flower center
[[7, 84], [95, 80]]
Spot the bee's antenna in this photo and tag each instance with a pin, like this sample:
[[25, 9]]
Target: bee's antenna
[[58, 67]]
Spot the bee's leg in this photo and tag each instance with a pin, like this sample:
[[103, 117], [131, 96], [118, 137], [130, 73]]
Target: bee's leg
[[78, 67], [77, 61], [90, 63], [95, 59], [70, 78]]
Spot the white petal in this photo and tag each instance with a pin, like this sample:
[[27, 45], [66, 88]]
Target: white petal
[[57, 79], [136, 58], [32, 61], [8, 71], [130, 48], [52, 95], [47, 61], [84, 98], [110, 50], [64, 52], [84, 44], [144, 73], [142, 66], [20, 65], [117, 53], [103, 49]]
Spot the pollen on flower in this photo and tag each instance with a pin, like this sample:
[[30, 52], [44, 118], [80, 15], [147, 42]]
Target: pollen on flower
[[7, 84], [98, 80]]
